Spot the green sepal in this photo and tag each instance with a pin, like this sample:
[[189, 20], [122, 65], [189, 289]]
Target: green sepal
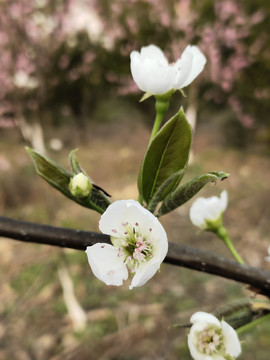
[[167, 153], [188, 190], [145, 96], [182, 93], [228, 357], [59, 178]]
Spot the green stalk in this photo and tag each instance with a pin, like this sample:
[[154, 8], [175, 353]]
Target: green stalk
[[223, 235], [161, 106]]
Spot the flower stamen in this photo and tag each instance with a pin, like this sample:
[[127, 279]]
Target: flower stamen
[[210, 341], [134, 247]]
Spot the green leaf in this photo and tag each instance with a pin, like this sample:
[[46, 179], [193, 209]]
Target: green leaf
[[245, 314], [74, 163], [167, 154], [188, 190], [237, 314], [160, 191], [99, 198], [50, 171], [59, 178]]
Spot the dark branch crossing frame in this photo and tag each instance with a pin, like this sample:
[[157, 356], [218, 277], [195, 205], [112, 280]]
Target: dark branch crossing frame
[[180, 255]]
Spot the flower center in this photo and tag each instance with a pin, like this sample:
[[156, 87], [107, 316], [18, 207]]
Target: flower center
[[135, 247], [210, 341]]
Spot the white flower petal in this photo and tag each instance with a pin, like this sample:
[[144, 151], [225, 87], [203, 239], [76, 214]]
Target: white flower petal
[[106, 265], [156, 78], [111, 221], [131, 211], [208, 209], [182, 68], [193, 349], [151, 74], [205, 318], [154, 75], [120, 212], [224, 200], [159, 238], [202, 321], [196, 213], [155, 53], [145, 272], [123, 213], [212, 209], [231, 341], [198, 62]]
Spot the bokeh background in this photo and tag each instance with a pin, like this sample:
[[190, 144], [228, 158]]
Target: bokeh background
[[65, 83]]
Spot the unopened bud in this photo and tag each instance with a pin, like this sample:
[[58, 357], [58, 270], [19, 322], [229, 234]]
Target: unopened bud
[[206, 213], [80, 185]]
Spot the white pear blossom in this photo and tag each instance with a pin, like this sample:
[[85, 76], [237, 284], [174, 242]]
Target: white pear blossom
[[139, 245], [80, 185], [211, 339], [153, 74], [205, 210]]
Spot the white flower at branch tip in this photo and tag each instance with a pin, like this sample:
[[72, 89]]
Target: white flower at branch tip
[[211, 339], [205, 210], [139, 245], [80, 185], [153, 74]]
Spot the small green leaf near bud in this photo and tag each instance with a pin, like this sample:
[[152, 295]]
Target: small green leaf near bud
[[59, 178], [74, 162], [80, 185]]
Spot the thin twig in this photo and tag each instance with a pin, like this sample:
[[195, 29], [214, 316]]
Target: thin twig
[[258, 279]]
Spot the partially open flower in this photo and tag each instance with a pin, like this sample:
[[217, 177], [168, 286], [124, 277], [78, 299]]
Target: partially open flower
[[211, 339], [153, 74], [139, 245], [205, 212], [80, 185]]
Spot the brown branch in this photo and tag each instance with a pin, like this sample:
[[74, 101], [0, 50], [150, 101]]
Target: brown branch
[[180, 255]]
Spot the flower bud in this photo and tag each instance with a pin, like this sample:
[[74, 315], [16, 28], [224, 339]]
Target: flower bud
[[206, 213], [80, 185]]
